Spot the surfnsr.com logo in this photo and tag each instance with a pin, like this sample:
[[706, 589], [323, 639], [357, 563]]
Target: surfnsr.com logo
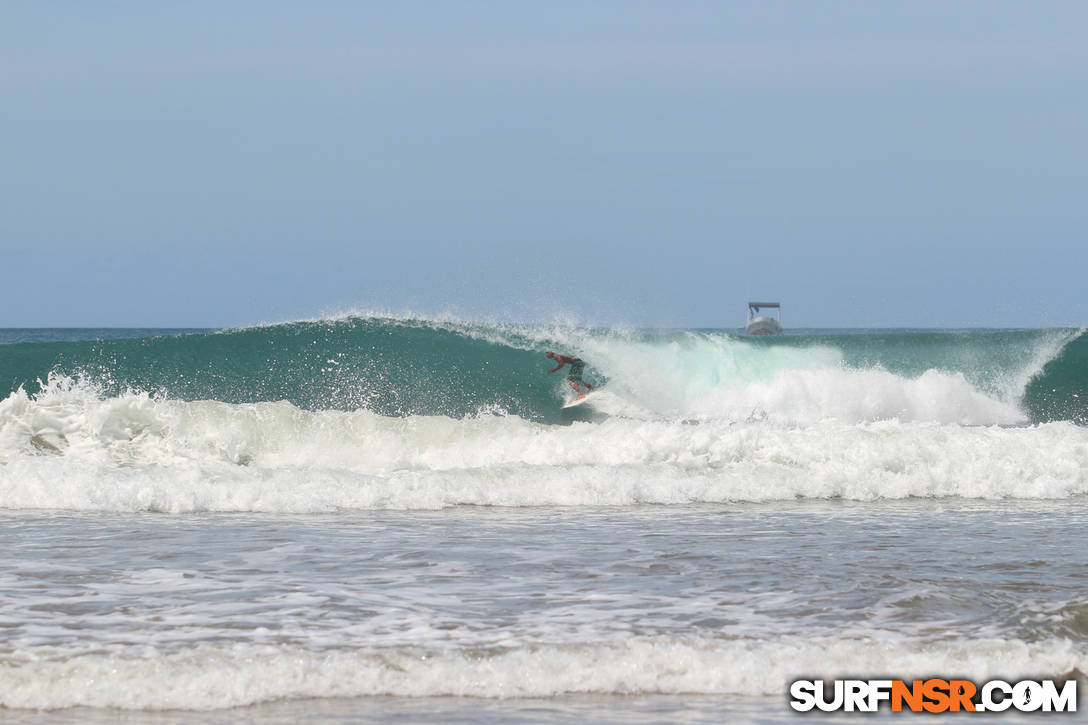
[[933, 695]]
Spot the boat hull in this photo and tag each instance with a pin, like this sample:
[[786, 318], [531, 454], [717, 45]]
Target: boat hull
[[763, 326]]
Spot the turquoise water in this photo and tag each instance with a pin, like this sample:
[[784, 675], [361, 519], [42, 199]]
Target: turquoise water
[[418, 367], [375, 519]]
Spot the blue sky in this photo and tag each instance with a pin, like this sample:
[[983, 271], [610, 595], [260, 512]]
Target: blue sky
[[640, 163]]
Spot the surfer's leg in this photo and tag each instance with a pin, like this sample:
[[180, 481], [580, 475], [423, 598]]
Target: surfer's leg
[[575, 378]]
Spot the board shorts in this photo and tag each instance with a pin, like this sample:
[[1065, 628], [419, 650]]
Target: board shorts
[[576, 369]]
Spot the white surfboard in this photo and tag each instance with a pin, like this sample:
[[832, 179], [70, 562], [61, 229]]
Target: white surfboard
[[579, 401]]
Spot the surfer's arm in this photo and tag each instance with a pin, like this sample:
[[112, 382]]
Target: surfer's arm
[[557, 367]]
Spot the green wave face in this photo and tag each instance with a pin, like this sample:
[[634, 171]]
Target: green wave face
[[417, 367], [1060, 391], [390, 367]]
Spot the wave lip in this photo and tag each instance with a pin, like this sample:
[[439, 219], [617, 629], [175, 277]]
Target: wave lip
[[208, 677]]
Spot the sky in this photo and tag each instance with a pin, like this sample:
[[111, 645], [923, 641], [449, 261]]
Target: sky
[[653, 164]]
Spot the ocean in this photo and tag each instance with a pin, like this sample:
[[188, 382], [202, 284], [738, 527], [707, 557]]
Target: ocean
[[377, 519]]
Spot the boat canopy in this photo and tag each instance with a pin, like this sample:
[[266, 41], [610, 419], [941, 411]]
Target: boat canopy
[[754, 310]]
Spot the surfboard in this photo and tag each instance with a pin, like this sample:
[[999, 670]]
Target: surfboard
[[579, 401]]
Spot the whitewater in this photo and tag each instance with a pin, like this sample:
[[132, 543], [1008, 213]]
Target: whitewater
[[374, 515]]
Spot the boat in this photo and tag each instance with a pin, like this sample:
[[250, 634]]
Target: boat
[[763, 324]]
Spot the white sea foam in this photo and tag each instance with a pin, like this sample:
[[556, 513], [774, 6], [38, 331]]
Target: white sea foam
[[710, 376], [209, 677], [807, 396], [700, 375], [69, 449]]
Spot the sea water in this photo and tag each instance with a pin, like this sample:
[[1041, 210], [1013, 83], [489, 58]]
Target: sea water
[[375, 519]]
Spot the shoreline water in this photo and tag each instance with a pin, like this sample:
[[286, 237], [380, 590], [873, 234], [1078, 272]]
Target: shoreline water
[[729, 601]]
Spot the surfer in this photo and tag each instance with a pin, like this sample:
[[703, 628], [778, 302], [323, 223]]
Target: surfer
[[574, 377]]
